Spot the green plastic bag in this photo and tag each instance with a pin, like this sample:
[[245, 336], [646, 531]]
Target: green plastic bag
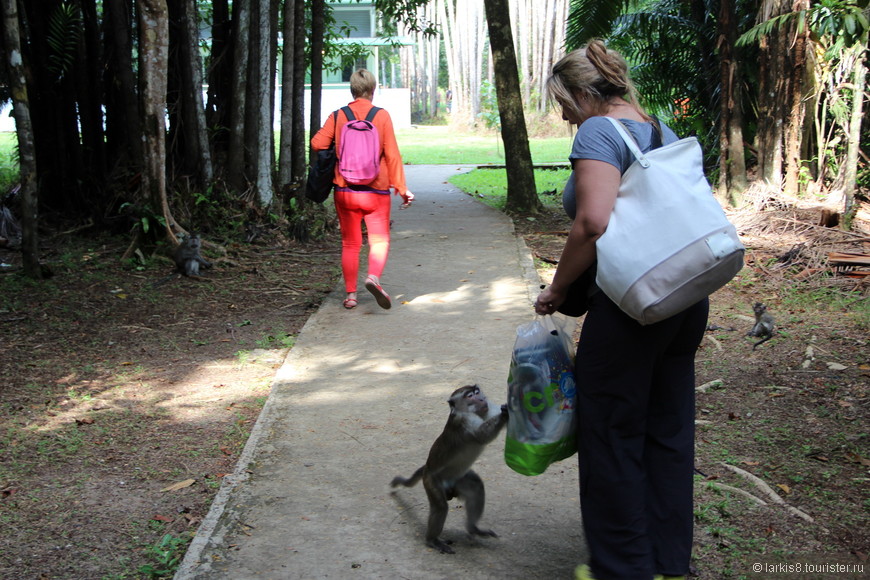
[[541, 398]]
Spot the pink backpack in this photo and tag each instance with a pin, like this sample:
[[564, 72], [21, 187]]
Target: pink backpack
[[359, 159]]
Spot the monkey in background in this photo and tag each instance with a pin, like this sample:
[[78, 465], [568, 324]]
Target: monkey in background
[[764, 324], [447, 472], [188, 259], [188, 256]]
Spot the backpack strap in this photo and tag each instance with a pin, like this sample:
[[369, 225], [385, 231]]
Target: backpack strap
[[372, 112], [349, 114], [351, 117]]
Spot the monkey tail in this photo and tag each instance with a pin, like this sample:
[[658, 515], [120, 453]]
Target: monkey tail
[[765, 339], [410, 482]]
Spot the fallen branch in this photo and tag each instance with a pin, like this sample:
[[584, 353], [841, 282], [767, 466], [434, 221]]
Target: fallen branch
[[715, 342], [722, 487], [768, 491]]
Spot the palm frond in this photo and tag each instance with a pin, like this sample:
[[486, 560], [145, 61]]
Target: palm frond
[[64, 32], [590, 19]]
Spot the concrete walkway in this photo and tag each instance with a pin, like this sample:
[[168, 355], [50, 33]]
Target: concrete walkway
[[361, 398]]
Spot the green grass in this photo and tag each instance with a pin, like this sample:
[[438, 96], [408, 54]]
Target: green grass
[[490, 185], [434, 145]]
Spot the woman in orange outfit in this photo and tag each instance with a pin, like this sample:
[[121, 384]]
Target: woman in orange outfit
[[370, 202]]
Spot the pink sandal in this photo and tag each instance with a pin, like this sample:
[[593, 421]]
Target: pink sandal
[[382, 297], [350, 303]]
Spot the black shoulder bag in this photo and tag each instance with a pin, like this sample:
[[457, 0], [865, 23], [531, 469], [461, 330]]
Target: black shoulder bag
[[322, 172]]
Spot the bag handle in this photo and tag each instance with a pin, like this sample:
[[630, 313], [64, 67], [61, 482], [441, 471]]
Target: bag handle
[[630, 141]]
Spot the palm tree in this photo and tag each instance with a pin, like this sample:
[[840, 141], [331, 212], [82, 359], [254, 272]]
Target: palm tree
[[837, 30], [686, 67]]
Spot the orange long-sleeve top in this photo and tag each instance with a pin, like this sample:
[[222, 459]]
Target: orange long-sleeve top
[[392, 171]]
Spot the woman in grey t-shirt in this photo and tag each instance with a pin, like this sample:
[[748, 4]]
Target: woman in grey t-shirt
[[635, 384]]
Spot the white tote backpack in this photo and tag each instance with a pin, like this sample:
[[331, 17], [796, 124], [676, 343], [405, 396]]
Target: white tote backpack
[[668, 243]]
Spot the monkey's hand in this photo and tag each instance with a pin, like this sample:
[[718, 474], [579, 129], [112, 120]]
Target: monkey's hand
[[504, 411]]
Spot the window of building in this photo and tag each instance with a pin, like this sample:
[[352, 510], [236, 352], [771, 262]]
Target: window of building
[[349, 64]]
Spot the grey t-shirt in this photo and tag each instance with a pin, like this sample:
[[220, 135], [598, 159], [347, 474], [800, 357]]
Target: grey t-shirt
[[598, 139]]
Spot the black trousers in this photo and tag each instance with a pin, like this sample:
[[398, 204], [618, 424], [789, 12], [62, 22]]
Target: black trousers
[[636, 431]]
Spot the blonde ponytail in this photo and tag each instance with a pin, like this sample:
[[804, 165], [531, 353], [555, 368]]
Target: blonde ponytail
[[595, 72]]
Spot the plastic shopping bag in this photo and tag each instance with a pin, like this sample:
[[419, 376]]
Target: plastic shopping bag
[[541, 398]]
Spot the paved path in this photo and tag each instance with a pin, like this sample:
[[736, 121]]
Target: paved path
[[360, 399]]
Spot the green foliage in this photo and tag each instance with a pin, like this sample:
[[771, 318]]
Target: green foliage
[[64, 31], [842, 21], [9, 173], [281, 340], [165, 555], [393, 12], [144, 219], [592, 19], [489, 106]]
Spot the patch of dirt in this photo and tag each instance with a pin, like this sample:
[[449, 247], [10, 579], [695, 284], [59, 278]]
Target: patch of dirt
[[115, 391]]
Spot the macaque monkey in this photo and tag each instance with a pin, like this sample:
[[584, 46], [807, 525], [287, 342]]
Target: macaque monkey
[[447, 472], [763, 328], [188, 259]]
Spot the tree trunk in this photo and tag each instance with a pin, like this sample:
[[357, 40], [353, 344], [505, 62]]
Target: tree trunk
[[772, 95], [522, 195], [300, 146], [732, 163], [24, 131], [198, 130], [56, 138], [264, 150], [123, 120], [89, 104], [841, 196], [238, 104], [220, 75], [153, 66], [188, 151], [318, 29], [288, 68], [853, 148], [796, 104]]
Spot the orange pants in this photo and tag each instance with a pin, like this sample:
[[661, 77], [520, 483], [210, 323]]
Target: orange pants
[[353, 207]]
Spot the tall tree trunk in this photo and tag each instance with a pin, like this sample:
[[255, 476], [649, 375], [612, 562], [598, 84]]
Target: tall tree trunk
[[24, 131], [123, 119], [220, 84], [732, 163], [56, 137], [264, 150], [853, 148], [521, 11], [153, 66], [300, 146], [522, 195], [198, 130], [773, 95], [318, 29], [794, 127], [188, 151], [89, 57], [238, 108], [288, 69], [841, 197]]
